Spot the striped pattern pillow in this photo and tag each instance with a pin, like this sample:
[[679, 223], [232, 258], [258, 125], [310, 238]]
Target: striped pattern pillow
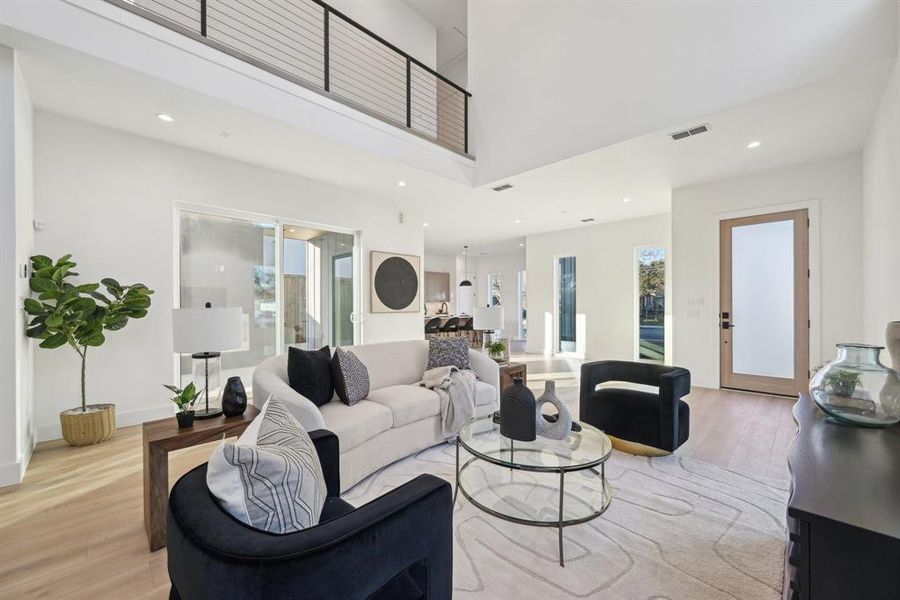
[[271, 478]]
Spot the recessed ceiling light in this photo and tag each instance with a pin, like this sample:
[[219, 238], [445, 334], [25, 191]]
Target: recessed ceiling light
[[754, 144], [424, 224], [518, 221], [401, 183], [626, 199], [291, 230], [164, 117], [521, 244]]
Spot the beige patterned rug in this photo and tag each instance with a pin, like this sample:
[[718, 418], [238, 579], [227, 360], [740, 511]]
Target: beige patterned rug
[[677, 529]]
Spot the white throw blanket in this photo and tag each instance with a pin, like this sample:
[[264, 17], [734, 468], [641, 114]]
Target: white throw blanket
[[456, 389]]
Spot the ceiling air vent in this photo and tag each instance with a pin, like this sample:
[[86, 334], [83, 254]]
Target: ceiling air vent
[[588, 220], [680, 135], [502, 188]]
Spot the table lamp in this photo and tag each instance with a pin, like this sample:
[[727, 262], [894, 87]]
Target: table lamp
[[488, 319], [205, 333]]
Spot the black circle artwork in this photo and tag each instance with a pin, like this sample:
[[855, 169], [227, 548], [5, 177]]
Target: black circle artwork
[[396, 283]]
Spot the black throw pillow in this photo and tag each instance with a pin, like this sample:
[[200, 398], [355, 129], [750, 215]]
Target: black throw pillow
[[309, 373]]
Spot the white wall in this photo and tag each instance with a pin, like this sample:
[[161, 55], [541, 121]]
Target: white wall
[[395, 22], [16, 245], [605, 274], [832, 191], [881, 216], [508, 265], [107, 197]]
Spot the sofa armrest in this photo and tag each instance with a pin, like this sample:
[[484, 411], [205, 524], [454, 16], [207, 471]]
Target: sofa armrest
[[267, 381], [485, 368], [328, 449]]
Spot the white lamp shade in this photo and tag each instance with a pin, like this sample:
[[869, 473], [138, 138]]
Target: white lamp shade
[[488, 318], [206, 329]]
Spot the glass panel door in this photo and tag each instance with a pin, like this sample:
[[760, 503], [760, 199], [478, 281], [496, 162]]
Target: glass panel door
[[230, 262], [566, 303], [764, 326], [318, 287]]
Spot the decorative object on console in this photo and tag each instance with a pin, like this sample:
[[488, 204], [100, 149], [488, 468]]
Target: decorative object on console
[[64, 314], [856, 389], [351, 377], [184, 399], [497, 350], [556, 429], [271, 479], [309, 374], [517, 412], [892, 335], [205, 333], [448, 351], [488, 319], [395, 282], [234, 397]]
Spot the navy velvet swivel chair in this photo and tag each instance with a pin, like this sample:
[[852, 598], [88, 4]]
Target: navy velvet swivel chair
[[399, 545], [639, 422]]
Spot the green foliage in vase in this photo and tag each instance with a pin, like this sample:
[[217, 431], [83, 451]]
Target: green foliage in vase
[[843, 382], [63, 313], [184, 398], [495, 348]]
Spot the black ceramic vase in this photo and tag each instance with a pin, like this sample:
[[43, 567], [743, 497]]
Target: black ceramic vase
[[234, 397], [517, 410]]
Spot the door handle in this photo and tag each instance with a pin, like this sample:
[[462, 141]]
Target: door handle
[[727, 325]]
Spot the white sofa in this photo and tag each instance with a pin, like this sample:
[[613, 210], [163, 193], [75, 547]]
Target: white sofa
[[399, 417]]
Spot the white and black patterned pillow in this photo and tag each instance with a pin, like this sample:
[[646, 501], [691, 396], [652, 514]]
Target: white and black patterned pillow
[[447, 351], [271, 478], [351, 377]]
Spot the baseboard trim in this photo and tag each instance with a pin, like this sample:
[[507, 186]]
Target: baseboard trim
[[12, 473], [53, 431]]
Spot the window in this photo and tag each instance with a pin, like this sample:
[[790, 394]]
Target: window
[[495, 289], [651, 297], [523, 306], [565, 278]]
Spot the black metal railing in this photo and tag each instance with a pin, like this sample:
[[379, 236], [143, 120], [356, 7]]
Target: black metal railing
[[310, 43]]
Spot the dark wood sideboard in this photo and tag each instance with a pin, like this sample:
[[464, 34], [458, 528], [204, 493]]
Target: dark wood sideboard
[[844, 511]]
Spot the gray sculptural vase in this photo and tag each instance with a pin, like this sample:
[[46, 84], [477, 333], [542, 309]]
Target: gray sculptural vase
[[559, 429]]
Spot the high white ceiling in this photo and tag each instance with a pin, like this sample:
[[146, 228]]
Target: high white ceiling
[[826, 118], [552, 80]]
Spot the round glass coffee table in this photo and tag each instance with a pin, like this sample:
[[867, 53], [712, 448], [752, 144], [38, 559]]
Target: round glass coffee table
[[543, 483]]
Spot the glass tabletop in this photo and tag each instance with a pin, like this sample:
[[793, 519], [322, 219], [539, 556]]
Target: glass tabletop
[[580, 450]]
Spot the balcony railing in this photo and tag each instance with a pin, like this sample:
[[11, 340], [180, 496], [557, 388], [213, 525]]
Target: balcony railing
[[311, 44]]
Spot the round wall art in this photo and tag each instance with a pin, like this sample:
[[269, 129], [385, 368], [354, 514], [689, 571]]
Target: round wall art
[[395, 282]]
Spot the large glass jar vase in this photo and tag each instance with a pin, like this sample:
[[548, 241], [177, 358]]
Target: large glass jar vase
[[856, 389]]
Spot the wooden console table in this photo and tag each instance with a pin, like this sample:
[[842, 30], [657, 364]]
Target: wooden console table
[[511, 370], [160, 438]]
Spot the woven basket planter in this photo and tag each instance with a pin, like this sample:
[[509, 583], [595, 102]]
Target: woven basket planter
[[93, 426]]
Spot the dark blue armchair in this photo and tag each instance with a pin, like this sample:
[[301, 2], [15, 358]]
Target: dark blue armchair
[[397, 546]]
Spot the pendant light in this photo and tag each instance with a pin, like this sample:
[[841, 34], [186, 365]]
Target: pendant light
[[465, 282]]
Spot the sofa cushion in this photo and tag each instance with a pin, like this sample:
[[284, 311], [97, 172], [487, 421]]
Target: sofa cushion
[[351, 378], [392, 363], [448, 351], [309, 373], [407, 403], [355, 424], [271, 479], [485, 394]]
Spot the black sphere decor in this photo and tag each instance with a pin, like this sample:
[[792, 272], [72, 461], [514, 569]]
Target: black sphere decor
[[517, 410], [396, 283], [234, 397]]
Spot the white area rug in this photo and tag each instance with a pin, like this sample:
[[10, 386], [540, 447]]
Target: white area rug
[[677, 529]]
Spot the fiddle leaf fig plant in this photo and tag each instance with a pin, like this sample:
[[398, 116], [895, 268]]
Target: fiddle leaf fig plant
[[63, 313]]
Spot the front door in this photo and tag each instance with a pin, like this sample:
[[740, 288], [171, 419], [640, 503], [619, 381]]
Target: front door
[[764, 303]]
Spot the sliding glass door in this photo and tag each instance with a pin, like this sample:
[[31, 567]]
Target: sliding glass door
[[296, 285], [227, 261]]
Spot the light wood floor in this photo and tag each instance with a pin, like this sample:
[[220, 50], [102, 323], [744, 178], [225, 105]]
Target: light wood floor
[[74, 527]]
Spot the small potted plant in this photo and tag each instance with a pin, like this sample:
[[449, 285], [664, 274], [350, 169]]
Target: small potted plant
[[496, 350], [184, 399]]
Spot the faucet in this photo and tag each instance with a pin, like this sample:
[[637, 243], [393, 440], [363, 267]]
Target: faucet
[[444, 308]]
